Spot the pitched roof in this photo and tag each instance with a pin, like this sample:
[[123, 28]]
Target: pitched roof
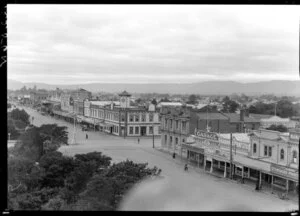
[[268, 134], [259, 116], [233, 117], [211, 116]]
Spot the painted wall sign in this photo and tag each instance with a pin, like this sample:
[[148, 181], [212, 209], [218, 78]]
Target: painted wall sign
[[206, 135]]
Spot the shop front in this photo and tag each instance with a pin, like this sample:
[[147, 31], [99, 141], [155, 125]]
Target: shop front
[[195, 155], [284, 178]]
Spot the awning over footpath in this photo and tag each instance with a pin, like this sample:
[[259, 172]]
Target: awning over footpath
[[193, 148], [85, 119], [103, 124], [252, 163], [64, 114]]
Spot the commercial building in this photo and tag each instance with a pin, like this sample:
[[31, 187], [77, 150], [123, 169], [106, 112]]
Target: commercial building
[[71, 103], [122, 119], [177, 123], [175, 127], [268, 158]]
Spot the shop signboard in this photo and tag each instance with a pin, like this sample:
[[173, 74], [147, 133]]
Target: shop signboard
[[206, 135]]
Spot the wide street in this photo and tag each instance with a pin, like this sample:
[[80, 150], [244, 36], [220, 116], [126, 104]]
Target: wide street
[[193, 190]]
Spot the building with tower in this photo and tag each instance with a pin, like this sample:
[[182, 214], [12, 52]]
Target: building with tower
[[120, 118]]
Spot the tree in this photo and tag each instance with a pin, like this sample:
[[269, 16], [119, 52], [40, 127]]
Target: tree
[[30, 145], [165, 99], [138, 101], [230, 106], [57, 169], [23, 89], [53, 136], [285, 108], [154, 101], [21, 115], [225, 99], [252, 109], [14, 134], [86, 166], [192, 99], [107, 188], [280, 128]]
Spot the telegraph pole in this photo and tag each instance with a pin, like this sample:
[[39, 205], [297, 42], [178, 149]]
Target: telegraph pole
[[74, 137], [231, 155], [153, 132]]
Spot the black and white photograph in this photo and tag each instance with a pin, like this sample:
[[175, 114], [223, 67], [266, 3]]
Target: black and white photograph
[[153, 107]]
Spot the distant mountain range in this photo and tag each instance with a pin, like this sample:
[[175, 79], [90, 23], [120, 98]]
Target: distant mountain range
[[281, 87]]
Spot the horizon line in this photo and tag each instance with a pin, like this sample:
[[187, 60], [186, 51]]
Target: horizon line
[[142, 83]]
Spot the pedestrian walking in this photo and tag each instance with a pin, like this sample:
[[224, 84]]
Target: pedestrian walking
[[138, 140], [174, 155], [185, 167], [86, 136]]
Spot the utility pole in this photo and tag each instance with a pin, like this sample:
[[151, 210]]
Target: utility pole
[[153, 131], [74, 133], [231, 155]]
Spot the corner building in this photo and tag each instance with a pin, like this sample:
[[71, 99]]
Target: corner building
[[121, 119]]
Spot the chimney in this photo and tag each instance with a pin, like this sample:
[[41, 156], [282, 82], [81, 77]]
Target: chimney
[[247, 112], [242, 115]]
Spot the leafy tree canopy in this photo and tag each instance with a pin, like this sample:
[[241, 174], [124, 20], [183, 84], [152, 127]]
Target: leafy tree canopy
[[280, 128], [21, 115]]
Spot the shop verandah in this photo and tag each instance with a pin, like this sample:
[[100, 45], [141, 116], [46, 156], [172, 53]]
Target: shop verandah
[[258, 175]]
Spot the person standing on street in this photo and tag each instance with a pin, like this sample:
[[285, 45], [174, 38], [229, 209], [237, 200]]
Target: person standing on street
[[86, 136], [138, 140]]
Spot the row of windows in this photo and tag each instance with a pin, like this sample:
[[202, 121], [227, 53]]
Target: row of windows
[[177, 124], [101, 114], [171, 140], [268, 152], [115, 116], [137, 130], [136, 118]]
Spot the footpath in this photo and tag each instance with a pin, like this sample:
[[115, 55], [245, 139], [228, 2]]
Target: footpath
[[248, 184]]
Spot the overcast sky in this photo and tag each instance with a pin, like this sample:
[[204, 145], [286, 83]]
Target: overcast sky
[[70, 44]]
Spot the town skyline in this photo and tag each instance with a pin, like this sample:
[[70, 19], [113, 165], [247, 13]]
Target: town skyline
[[152, 44]]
